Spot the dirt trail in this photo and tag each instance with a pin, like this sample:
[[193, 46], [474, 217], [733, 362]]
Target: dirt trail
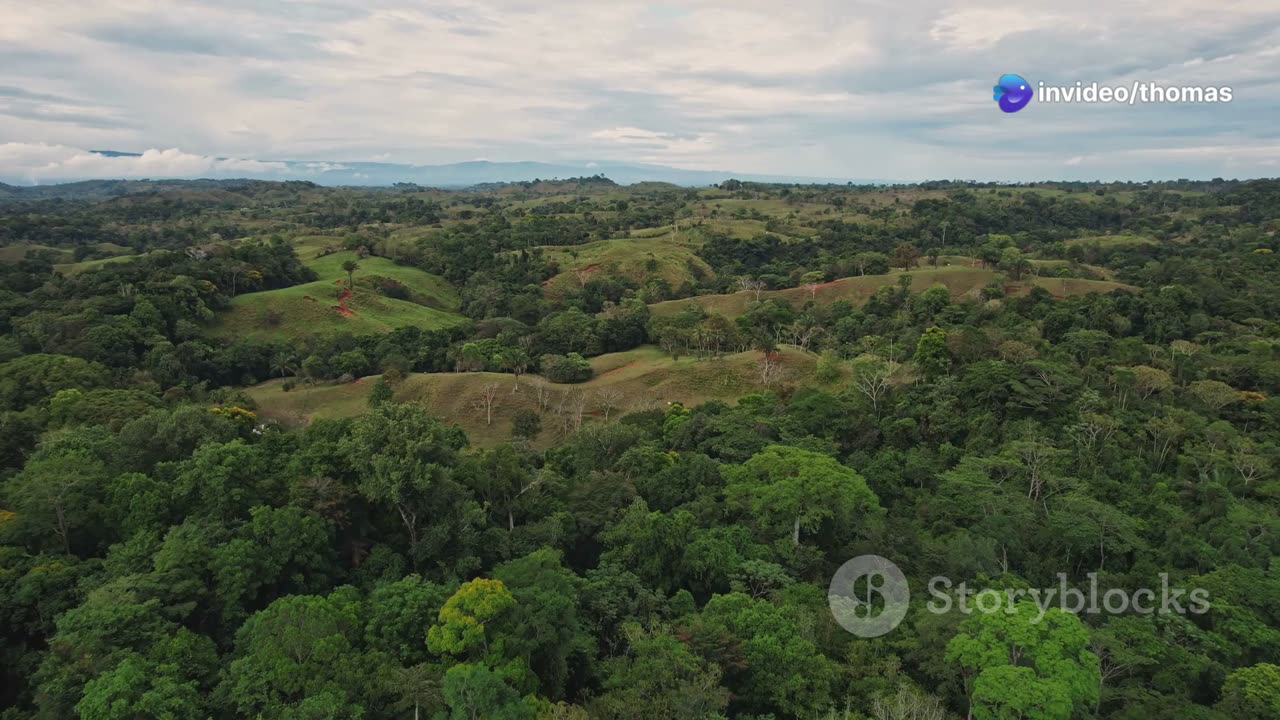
[[607, 373], [341, 307]]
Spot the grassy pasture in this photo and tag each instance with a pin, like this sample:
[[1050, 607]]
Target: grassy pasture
[[643, 378]]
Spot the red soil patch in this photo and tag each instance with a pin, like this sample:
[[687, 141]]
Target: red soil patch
[[308, 298], [341, 307], [620, 367], [827, 284]]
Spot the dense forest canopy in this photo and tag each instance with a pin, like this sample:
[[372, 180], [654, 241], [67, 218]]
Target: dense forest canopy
[[568, 449]]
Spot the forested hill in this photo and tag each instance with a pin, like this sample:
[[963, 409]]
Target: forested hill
[[569, 449]]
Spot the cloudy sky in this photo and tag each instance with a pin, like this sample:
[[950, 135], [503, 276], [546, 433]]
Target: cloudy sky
[[834, 88]]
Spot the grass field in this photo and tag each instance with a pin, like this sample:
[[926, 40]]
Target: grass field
[[1104, 273], [1112, 240], [637, 258], [960, 281], [427, 289], [79, 267], [643, 378], [314, 308], [63, 258], [309, 247], [16, 252]]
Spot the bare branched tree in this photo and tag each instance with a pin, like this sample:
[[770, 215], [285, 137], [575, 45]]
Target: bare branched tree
[[578, 408], [908, 704], [608, 400], [871, 378], [770, 369], [487, 402], [751, 285], [541, 393]]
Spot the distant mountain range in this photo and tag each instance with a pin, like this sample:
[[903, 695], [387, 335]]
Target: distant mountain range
[[466, 174]]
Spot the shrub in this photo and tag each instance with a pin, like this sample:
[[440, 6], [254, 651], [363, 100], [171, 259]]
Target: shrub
[[395, 289], [526, 424], [571, 368]]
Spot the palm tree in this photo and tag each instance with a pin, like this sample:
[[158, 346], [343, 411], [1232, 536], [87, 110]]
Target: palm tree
[[350, 267], [282, 363]]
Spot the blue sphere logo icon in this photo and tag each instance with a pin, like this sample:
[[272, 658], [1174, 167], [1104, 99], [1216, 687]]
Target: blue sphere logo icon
[[1012, 92]]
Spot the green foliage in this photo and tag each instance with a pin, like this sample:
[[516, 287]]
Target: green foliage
[[1081, 386], [659, 677], [571, 368], [381, 393], [1019, 664], [461, 626], [788, 490], [932, 357], [1252, 692]]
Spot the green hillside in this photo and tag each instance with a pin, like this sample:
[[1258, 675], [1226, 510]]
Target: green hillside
[[319, 307]]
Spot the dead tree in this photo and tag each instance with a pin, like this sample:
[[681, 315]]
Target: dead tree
[[487, 402], [608, 400], [770, 369], [752, 285]]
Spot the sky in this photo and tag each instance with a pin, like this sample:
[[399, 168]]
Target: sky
[[826, 88]]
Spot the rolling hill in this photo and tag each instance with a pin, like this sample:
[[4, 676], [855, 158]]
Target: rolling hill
[[328, 305], [960, 280], [642, 378]]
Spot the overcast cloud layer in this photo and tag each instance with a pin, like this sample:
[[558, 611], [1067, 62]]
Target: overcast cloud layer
[[883, 89]]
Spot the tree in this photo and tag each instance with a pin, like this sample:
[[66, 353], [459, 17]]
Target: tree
[[381, 393], [658, 677], [401, 455], [932, 356], [350, 267], [473, 691], [768, 657], [58, 501], [486, 401], [463, 626], [137, 689], [908, 703], [502, 479], [1148, 380], [873, 263], [1013, 262], [1252, 692], [516, 361], [544, 627], [935, 252], [300, 652], [769, 367], [1085, 524], [811, 282], [1213, 393], [752, 285], [526, 424], [905, 256], [871, 377], [608, 400], [1125, 645], [790, 490], [1015, 666]]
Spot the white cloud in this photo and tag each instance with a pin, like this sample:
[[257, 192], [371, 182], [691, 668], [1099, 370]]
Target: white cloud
[[881, 88], [39, 163], [982, 27]]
